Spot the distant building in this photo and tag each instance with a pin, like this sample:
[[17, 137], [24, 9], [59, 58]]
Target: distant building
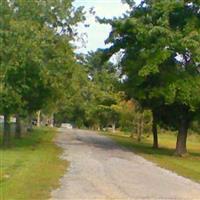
[[12, 119], [1, 118]]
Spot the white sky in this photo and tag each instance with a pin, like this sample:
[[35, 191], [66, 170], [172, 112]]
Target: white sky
[[98, 33]]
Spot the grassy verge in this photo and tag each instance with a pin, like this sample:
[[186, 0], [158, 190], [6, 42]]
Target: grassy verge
[[30, 169], [188, 166]]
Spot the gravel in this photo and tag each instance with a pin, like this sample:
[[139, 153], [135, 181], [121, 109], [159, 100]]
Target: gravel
[[101, 170]]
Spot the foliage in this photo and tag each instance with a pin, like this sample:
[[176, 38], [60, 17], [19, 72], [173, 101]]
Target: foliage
[[160, 44], [130, 115], [91, 95], [37, 59]]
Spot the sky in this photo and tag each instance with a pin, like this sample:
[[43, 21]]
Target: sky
[[97, 33]]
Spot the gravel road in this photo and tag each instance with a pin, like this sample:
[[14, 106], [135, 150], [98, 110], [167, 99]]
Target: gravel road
[[101, 170]]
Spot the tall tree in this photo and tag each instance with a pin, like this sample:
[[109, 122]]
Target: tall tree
[[36, 54], [161, 50]]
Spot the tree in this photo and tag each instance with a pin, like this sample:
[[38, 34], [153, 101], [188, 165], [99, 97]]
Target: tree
[[9, 103], [36, 55], [160, 43], [133, 119], [127, 110], [104, 79]]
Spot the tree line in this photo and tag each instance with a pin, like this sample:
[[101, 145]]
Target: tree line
[[160, 44], [37, 58], [155, 80]]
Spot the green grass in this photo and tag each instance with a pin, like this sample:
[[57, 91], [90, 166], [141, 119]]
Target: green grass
[[31, 167], [187, 166]]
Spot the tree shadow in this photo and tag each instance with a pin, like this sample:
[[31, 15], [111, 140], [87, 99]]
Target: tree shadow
[[146, 148], [195, 154], [123, 143]]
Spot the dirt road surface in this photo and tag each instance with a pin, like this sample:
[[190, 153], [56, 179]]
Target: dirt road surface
[[101, 170]]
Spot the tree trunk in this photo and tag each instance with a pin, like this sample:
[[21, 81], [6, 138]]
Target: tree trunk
[[181, 146], [155, 132], [6, 131], [18, 128], [133, 129], [52, 120], [38, 118], [141, 127], [132, 135], [113, 127], [138, 125], [30, 125]]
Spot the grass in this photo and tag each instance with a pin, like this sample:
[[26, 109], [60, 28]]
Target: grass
[[31, 167], [187, 166]]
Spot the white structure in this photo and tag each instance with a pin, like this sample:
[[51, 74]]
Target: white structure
[[12, 119], [1, 118], [66, 125]]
